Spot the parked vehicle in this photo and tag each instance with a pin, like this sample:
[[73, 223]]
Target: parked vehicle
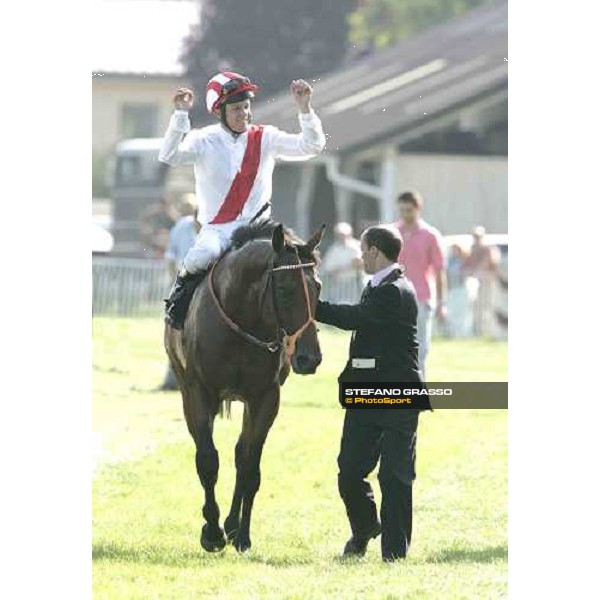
[[136, 179]]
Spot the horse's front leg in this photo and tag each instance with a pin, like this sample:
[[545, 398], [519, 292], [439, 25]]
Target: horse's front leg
[[232, 522], [207, 467], [261, 413]]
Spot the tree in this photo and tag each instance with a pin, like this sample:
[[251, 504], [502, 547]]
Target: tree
[[271, 41], [379, 23]]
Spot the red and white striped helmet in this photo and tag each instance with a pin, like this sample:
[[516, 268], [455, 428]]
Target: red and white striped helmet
[[225, 85]]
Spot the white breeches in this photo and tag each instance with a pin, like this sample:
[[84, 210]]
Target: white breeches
[[210, 243]]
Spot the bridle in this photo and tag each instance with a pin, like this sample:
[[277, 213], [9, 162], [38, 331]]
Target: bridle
[[289, 339]]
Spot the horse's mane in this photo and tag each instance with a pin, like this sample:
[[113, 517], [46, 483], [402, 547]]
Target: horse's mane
[[263, 230], [260, 230]]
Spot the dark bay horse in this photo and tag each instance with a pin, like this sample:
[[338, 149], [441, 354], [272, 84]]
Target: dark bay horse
[[249, 321]]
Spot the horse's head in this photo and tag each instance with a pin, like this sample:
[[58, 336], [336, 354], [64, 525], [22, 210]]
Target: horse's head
[[296, 289]]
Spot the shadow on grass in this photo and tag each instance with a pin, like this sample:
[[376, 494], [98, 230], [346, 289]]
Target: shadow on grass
[[147, 554], [463, 555], [184, 557], [275, 561]]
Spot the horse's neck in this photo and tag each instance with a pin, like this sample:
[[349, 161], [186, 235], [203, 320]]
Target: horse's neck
[[241, 287]]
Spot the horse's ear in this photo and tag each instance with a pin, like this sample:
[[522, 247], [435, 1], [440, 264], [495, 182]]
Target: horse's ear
[[315, 238], [277, 239]]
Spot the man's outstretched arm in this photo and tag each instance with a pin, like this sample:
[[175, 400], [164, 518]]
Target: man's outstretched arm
[[382, 309]]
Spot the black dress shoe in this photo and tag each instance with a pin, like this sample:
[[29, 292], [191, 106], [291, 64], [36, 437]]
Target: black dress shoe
[[390, 557], [357, 546]]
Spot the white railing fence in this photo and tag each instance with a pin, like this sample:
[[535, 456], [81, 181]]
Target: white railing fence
[[128, 286], [137, 286]]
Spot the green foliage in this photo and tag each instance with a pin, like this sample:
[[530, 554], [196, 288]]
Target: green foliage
[[271, 41], [147, 499], [380, 23]]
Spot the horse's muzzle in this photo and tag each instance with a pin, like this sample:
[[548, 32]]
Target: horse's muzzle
[[304, 364]]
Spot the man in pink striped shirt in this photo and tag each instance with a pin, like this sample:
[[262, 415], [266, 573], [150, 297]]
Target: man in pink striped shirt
[[423, 257]]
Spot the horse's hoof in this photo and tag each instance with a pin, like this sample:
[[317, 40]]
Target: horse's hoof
[[231, 529], [242, 544], [213, 541]]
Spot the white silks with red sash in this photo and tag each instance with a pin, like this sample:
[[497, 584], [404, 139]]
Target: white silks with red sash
[[244, 180]]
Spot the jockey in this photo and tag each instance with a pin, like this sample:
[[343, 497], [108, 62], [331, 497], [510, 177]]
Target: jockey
[[233, 164]]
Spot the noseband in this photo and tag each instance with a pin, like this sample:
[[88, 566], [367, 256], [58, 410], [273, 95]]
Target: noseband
[[289, 339]]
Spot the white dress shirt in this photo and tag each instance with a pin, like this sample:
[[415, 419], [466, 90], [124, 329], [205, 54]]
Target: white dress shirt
[[382, 274], [217, 157]]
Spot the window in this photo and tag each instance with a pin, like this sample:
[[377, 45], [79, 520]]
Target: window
[[139, 120], [139, 168]]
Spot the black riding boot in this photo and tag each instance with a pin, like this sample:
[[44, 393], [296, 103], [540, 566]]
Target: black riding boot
[[181, 295]]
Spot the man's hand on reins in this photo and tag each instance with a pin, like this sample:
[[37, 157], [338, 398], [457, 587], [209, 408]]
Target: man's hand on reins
[[302, 93]]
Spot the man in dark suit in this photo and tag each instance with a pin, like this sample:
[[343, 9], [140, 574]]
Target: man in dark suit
[[383, 348]]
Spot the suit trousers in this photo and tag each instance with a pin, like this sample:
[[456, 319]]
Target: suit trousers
[[389, 437]]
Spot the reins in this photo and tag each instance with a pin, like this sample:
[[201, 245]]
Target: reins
[[289, 339]]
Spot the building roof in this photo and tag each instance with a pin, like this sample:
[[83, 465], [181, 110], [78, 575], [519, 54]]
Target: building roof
[[142, 37], [407, 85]]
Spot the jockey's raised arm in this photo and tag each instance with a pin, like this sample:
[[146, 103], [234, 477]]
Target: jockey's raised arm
[[311, 140], [174, 151]]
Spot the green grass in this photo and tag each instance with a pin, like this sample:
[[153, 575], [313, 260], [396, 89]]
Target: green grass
[[147, 498]]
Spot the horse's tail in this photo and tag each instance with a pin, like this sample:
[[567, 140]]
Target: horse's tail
[[225, 409], [225, 406]]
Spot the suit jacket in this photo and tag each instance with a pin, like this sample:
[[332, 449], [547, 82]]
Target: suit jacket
[[385, 329]]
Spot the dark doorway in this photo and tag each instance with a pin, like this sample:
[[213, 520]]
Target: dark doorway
[[322, 207]]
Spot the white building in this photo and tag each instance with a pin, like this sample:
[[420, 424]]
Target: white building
[[135, 70]]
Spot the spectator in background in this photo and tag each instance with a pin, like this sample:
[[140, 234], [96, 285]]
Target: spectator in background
[[183, 234], [155, 222], [423, 258], [342, 264], [482, 264], [458, 322], [181, 238], [159, 243]]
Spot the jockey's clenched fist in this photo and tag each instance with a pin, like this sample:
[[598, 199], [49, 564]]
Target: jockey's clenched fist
[[183, 99], [302, 92]]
